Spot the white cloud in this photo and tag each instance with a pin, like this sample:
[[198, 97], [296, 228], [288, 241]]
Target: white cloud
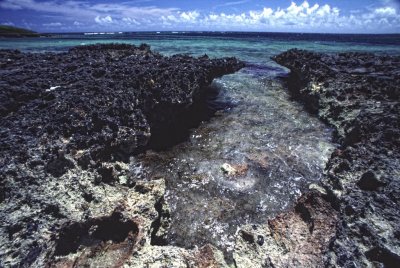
[[52, 24], [279, 13], [130, 21], [67, 8], [181, 18], [298, 16], [265, 13], [312, 9], [103, 20], [306, 17], [8, 23], [189, 16], [171, 18], [386, 11], [84, 11], [295, 17]]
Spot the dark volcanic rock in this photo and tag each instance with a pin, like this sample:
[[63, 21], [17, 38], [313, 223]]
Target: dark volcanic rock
[[66, 121], [359, 95]]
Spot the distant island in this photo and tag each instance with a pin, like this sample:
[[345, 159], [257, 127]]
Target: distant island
[[10, 31]]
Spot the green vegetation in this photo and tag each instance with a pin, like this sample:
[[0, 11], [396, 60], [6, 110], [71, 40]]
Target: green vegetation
[[10, 31]]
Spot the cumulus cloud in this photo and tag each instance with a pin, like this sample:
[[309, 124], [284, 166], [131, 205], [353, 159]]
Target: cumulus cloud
[[181, 18], [298, 16], [306, 17], [130, 21], [294, 17], [103, 20], [190, 16], [386, 11]]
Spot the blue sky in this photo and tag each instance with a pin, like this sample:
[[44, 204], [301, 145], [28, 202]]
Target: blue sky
[[334, 16]]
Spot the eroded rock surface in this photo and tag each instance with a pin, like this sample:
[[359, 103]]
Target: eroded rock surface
[[70, 198], [359, 95], [69, 123], [297, 238]]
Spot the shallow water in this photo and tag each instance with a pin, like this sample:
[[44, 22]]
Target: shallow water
[[276, 147]]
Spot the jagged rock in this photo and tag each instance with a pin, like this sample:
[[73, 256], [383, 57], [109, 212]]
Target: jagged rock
[[71, 120], [69, 123], [358, 94], [295, 238]]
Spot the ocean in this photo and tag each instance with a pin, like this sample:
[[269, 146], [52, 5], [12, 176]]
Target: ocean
[[252, 47], [259, 128]]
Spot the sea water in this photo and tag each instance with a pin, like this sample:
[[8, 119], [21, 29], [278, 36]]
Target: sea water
[[276, 147]]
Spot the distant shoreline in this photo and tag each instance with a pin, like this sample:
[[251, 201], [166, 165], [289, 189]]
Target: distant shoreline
[[15, 32]]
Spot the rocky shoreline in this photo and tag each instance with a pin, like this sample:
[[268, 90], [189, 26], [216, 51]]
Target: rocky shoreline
[[358, 94], [70, 197], [70, 122]]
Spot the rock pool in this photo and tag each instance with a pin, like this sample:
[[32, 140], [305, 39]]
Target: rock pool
[[274, 148]]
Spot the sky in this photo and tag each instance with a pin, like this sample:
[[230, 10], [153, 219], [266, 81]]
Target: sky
[[323, 16]]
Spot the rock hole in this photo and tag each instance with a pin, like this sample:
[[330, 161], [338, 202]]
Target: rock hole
[[383, 255], [2, 193], [53, 210], [143, 190], [59, 166], [305, 215], [88, 197], [107, 174], [260, 240], [13, 229], [249, 237], [92, 233], [369, 182], [158, 239]]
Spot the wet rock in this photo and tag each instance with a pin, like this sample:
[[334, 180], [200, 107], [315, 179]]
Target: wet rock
[[358, 94]]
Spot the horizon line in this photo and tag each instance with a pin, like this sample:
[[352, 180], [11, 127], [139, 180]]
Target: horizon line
[[208, 31]]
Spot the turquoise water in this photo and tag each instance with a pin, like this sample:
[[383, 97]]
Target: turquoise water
[[277, 148], [251, 47]]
